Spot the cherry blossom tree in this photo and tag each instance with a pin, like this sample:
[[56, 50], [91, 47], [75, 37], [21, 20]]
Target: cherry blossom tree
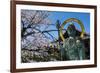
[[33, 24]]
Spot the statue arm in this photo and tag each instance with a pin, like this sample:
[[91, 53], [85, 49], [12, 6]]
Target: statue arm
[[81, 50], [81, 54]]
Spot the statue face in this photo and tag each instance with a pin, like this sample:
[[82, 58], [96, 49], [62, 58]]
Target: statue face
[[71, 30]]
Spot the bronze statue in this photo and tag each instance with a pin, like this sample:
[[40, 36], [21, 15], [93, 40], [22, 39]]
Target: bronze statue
[[73, 47]]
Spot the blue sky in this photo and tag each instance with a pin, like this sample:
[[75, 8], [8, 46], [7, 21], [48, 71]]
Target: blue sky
[[62, 16]]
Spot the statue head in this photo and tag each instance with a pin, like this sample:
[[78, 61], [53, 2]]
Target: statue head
[[71, 30]]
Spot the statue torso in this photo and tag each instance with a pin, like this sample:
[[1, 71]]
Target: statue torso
[[73, 49]]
